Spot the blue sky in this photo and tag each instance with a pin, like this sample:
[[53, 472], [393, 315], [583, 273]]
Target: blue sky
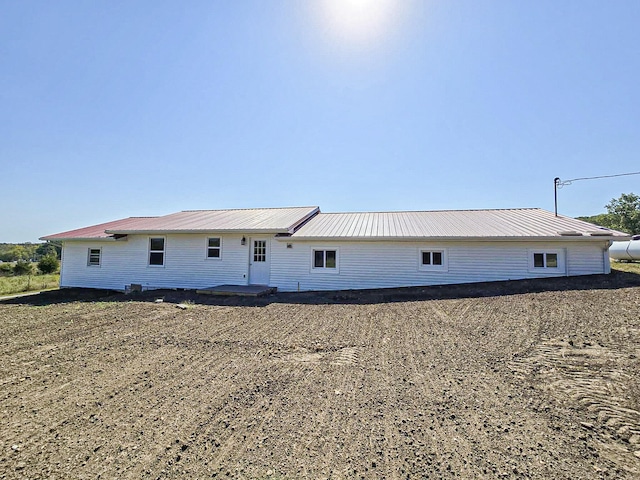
[[116, 109]]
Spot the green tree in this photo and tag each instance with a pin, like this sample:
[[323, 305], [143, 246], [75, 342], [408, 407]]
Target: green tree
[[49, 264], [625, 213], [18, 252], [22, 267], [603, 219], [47, 249], [6, 269]]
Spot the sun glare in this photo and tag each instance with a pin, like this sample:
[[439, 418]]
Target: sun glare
[[357, 23]]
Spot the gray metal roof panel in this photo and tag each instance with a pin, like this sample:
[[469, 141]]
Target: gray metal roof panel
[[504, 223]]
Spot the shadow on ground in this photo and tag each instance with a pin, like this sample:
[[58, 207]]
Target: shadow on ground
[[615, 280]]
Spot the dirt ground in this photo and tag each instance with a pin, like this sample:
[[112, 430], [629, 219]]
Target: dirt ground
[[535, 379]]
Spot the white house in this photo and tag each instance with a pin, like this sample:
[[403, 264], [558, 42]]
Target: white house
[[300, 248]]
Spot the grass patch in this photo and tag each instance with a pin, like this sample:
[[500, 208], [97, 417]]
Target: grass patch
[[28, 283], [629, 267]]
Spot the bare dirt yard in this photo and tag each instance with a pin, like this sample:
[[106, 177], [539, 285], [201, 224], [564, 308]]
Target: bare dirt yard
[[533, 379]]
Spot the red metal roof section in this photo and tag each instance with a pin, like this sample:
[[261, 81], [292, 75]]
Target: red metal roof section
[[95, 231], [276, 220]]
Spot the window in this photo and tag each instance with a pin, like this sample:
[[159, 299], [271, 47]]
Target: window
[[431, 258], [545, 260], [259, 250], [435, 260], [93, 257], [156, 252], [214, 247], [325, 259]]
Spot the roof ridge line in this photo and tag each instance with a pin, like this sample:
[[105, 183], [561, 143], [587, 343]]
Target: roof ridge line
[[244, 209], [436, 211]]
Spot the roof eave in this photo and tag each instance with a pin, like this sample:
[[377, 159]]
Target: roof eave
[[239, 231], [556, 238], [84, 239]]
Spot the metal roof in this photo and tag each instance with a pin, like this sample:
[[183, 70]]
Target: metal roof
[[255, 220], [527, 223], [449, 224], [95, 232]]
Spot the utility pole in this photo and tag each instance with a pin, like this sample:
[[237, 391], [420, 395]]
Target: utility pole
[[556, 181]]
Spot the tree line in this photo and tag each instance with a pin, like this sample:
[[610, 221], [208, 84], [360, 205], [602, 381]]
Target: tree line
[[19, 258], [29, 252], [623, 214]]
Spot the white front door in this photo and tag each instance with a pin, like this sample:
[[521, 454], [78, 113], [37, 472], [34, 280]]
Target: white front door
[[259, 262]]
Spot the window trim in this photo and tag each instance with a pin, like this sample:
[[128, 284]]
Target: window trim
[[325, 269], [163, 251], [99, 264], [208, 248], [444, 267], [560, 256]]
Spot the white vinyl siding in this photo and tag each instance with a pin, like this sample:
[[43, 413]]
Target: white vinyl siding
[[585, 259], [397, 264], [361, 264], [126, 262]]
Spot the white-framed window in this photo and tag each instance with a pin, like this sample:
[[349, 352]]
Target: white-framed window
[[541, 260], [324, 260], [214, 247], [545, 260], [94, 256], [433, 259], [156, 251], [259, 251]]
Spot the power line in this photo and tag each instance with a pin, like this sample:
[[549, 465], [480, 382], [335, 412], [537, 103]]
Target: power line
[[557, 183], [561, 183]]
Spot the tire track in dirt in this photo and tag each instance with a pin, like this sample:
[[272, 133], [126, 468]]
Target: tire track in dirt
[[57, 358], [590, 376], [97, 410], [458, 391], [468, 402], [219, 430], [290, 433], [74, 419], [314, 353], [248, 357]]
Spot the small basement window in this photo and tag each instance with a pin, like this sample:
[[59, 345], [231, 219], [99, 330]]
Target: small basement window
[[435, 260], [325, 259], [214, 247], [156, 252], [93, 257], [552, 260], [545, 260]]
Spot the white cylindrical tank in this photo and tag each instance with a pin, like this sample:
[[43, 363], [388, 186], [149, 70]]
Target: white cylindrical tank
[[629, 250]]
